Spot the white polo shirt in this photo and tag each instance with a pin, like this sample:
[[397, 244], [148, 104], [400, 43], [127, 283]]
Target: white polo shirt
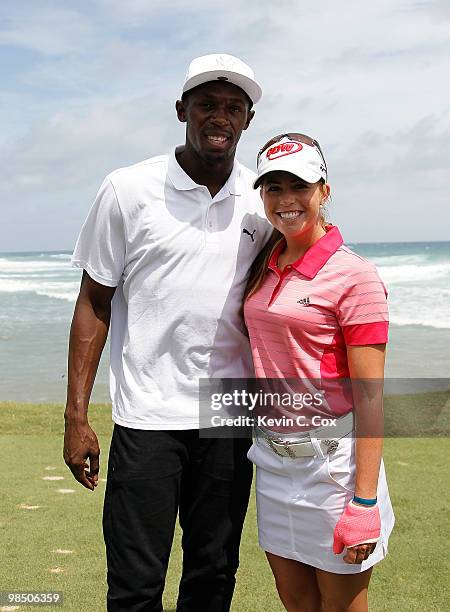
[[180, 261]]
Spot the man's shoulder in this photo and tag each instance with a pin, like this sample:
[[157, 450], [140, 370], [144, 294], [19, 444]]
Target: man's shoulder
[[246, 174], [252, 203], [153, 166], [246, 180]]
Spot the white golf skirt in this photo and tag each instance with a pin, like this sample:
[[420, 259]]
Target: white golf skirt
[[299, 502]]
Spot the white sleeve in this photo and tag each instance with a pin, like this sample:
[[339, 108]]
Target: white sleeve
[[101, 245]]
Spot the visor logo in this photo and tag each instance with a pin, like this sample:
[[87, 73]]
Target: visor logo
[[304, 301], [286, 148]]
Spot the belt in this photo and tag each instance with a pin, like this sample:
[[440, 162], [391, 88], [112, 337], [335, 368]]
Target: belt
[[314, 442]]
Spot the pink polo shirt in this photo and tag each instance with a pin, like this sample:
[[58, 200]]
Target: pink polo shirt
[[301, 320]]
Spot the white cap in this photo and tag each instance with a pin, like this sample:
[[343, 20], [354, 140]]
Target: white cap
[[292, 156], [222, 67]]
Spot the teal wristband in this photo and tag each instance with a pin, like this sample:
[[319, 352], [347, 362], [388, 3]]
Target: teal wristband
[[365, 502]]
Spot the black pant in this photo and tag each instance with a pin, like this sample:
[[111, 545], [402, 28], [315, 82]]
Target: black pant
[[152, 474]]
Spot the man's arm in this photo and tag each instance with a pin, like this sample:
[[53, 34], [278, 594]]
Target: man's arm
[[88, 333]]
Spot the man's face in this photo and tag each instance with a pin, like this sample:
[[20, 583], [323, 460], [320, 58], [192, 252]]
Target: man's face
[[216, 113]]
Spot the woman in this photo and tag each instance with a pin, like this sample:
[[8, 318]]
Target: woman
[[316, 312]]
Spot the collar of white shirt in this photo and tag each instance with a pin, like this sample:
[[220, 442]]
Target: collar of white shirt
[[183, 182]]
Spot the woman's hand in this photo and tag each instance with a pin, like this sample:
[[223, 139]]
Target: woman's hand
[[358, 554], [358, 529]]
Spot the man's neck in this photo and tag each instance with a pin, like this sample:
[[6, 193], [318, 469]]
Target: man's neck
[[213, 175]]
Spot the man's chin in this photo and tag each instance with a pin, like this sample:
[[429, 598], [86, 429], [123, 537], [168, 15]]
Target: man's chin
[[217, 157]]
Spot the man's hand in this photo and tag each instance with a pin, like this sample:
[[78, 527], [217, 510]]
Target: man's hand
[[88, 335], [80, 444]]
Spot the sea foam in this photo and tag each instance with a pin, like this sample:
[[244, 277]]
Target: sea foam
[[414, 273]]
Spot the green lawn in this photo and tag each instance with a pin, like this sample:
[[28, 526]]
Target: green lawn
[[414, 577]]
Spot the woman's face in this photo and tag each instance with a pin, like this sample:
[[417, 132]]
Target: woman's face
[[292, 205]]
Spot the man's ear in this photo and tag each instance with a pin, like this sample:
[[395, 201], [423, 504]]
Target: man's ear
[[181, 111], [250, 116]]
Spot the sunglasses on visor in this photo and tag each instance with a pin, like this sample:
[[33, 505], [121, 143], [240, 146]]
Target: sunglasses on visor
[[303, 138]]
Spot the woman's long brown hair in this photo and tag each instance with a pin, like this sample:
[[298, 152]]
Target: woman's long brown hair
[[259, 266]]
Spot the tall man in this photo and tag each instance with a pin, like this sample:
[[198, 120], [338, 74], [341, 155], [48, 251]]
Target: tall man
[[165, 250]]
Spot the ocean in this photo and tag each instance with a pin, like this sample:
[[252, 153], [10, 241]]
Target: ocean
[[38, 293]]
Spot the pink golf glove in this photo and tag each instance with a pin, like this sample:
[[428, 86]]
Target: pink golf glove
[[357, 525]]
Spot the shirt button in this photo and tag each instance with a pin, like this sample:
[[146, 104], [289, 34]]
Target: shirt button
[[210, 224]]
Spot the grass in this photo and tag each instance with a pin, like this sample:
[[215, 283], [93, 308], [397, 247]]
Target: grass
[[414, 577]]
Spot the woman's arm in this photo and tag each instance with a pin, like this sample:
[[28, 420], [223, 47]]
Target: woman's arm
[[366, 366], [360, 522]]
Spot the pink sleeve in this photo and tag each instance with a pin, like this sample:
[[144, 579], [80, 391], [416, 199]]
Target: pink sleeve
[[366, 333], [363, 298]]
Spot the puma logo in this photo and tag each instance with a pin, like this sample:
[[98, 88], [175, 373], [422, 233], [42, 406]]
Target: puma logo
[[245, 231]]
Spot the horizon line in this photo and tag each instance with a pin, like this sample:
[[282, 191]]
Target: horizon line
[[350, 242]]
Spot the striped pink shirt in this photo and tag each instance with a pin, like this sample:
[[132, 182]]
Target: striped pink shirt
[[300, 320]]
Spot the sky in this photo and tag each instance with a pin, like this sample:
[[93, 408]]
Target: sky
[[90, 86]]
